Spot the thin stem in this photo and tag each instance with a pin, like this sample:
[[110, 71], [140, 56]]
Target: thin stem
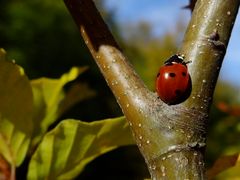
[[13, 172]]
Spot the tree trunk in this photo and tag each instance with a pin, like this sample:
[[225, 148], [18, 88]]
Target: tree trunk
[[172, 139]]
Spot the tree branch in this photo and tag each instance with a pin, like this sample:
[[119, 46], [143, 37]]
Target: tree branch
[[171, 138], [120, 76], [205, 45]]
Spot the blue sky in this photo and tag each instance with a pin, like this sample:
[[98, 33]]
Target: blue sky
[[163, 14]]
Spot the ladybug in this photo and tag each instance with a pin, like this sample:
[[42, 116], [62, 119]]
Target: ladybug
[[173, 83]]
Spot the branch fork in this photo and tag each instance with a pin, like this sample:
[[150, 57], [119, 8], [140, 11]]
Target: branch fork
[[172, 139]]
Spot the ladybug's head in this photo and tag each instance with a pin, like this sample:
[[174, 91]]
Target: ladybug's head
[[176, 59]]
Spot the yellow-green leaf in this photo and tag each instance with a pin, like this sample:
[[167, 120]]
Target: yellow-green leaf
[[223, 164], [15, 112], [75, 94], [50, 100], [65, 151]]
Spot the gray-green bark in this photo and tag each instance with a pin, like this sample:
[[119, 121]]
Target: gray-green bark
[[172, 139]]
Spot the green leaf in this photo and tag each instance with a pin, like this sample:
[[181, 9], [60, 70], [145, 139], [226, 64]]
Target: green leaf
[[65, 151], [15, 112], [51, 101]]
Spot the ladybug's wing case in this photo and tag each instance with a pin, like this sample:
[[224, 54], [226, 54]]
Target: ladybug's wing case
[[172, 83], [166, 88]]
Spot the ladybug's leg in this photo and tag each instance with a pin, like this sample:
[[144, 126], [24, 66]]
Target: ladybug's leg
[[186, 62]]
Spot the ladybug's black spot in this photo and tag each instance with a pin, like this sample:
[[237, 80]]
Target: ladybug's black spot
[[158, 74], [172, 74], [184, 74], [177, 92]]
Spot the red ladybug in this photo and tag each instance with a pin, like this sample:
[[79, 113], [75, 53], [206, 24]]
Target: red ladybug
[[173, 82]]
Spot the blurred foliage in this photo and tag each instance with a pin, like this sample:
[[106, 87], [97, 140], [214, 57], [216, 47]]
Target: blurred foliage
[[222, 165], [230, 174], [39, 35], [224, 128], [43, 38]]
